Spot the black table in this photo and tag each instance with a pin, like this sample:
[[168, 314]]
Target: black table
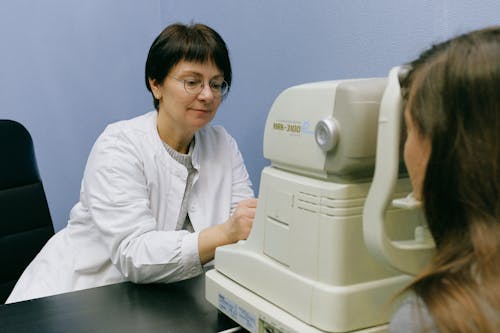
[[125, 307]]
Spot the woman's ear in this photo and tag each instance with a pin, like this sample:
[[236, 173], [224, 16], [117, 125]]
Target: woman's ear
[[155, 88]]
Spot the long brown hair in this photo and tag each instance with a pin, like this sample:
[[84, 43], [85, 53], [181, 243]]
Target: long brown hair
[[454, 100]]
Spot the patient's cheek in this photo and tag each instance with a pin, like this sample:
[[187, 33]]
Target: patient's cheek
[[416, 156]]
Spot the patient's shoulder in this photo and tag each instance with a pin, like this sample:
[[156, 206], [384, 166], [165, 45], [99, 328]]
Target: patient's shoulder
[[412, 317]]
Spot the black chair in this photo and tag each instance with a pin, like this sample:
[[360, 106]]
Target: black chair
[[25, 222]]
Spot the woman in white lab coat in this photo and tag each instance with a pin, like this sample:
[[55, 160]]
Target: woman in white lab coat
[[161, 191], [452, 155]]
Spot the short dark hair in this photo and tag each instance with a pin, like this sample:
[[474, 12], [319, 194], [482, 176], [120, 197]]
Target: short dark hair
[[178, 42]]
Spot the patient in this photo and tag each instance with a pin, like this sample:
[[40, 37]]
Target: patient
[[452, 114]]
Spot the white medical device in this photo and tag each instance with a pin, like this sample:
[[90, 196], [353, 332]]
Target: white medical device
[[311, 262]]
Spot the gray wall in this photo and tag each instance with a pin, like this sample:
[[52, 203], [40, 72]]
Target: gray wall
[[69, 67]]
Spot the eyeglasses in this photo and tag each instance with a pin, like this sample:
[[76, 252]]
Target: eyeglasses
[[195, 86]]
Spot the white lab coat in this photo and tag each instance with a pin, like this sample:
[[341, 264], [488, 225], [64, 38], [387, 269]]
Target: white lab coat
[[123, 227]]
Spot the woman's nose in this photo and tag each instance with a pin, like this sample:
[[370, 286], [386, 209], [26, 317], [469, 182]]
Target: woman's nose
[[206, 92]]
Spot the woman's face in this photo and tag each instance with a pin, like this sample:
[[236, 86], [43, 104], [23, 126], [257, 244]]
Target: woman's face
[[417, 151], [186, 111]]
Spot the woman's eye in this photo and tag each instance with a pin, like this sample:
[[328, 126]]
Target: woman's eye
[[216, 85], [192, 83]]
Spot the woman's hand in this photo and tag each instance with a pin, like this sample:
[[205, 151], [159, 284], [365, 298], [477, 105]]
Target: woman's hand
[[236, 228]]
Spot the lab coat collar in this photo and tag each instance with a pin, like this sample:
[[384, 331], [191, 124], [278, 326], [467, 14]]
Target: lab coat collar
[[196, 151], [158, 143]]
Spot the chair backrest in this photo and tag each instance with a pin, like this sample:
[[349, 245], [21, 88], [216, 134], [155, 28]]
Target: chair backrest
[[25, 222]]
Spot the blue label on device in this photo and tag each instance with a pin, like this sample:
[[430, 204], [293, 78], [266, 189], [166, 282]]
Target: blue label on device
[[228, 307], [238, 314]]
